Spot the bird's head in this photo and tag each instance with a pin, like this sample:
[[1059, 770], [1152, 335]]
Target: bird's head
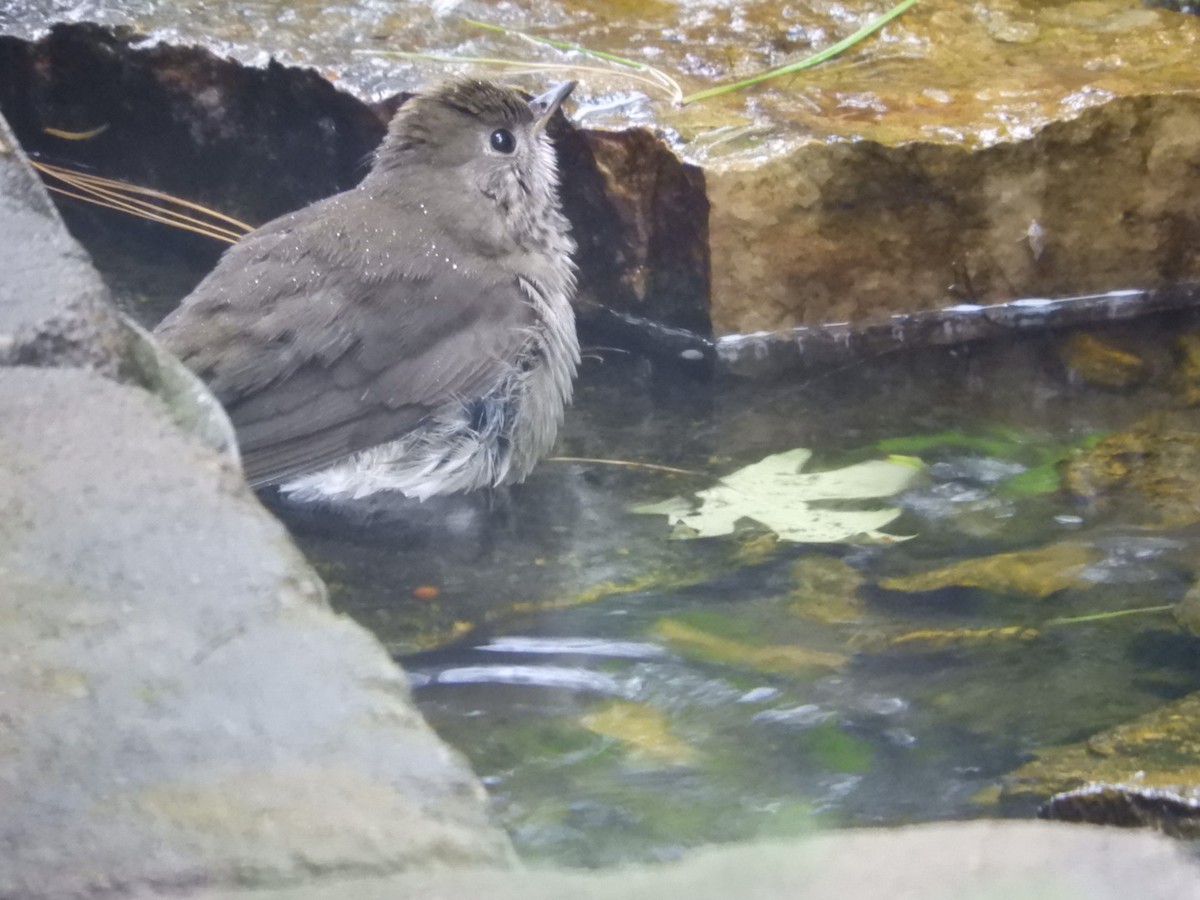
[[480, 141]]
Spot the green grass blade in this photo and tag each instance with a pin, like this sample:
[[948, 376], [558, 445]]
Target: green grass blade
[[809, 61]]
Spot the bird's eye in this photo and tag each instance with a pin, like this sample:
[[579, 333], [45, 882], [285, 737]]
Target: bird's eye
[[503, 141]]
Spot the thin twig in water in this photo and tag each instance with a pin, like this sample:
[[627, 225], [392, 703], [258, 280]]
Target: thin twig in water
[[627, 463]]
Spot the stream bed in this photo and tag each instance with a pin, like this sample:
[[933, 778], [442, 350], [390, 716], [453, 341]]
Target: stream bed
[[625, 694]]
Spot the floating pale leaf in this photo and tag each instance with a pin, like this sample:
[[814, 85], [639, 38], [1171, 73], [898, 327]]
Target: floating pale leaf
[[776, 494]]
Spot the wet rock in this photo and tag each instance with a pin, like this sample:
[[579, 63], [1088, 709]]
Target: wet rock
[[817, 347], [640, 218], [1146, 771], [181, 705], [643, 731], [867, 196], [826, 589], [831, 232], [1128, 806], [941, 640], [1100, 363], [704, 641], [56, 311], [1014, 150], [251, 142]]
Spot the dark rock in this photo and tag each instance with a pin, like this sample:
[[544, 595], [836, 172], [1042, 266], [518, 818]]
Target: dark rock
[[252, 143], [255, 143], [1127, 806], [640, 214]]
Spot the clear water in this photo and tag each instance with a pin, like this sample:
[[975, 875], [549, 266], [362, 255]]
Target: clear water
[[549, 600]]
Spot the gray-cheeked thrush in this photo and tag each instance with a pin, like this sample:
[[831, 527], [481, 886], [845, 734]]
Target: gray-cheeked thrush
[[412, 334]]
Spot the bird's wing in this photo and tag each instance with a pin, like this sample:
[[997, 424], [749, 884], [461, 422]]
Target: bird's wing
[[316, 357]]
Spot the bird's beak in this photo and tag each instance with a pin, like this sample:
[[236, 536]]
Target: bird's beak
[[544, 106]]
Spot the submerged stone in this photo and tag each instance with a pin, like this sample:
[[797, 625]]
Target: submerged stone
[[825, 589], [1187, 369], [1187, 610], [1151, 473], [1142, 772], [938, 640]]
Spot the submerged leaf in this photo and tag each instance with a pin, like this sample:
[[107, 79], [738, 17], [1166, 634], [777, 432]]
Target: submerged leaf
[[776, 494], [934, 640], [1038, 573], [779, 658], [1100, 363], [642, 730]]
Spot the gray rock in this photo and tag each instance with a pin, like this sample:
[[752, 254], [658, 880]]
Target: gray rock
[[180, 706], [56, 311], [54, 308]]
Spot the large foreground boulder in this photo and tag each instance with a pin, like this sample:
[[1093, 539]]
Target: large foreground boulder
[[180, 705]]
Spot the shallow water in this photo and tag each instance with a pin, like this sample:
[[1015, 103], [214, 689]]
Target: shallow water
[[601, 739]]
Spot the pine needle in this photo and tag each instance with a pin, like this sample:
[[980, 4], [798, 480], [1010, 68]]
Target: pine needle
[[145, 203]]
